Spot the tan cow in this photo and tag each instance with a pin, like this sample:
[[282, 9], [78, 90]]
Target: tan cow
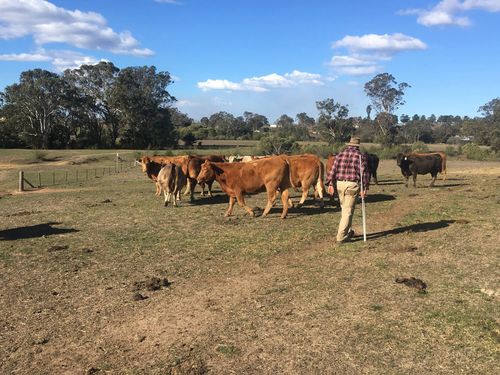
[[171, 180], [238, 179], [194, 168], [307, 171]]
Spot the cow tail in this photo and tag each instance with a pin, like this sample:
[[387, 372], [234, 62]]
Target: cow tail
[[321, 175], [287, 161]]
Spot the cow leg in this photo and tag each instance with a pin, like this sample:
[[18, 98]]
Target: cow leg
[[271, 200], [158, 189], [188, 187], [167, 197], [192, 184], [229, 211], [406, 180], [303, 197], [209, 188], [241, 201], [173, 198], [284, 199], [414, 180], [202, 186], [375, 178], [433, 180]]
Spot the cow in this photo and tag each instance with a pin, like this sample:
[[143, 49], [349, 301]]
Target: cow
[[443, 160], [151, 169], [194, 168], [305, 171], [244, 159], [372, 161], [171, 180], [411, 165], [237, 179]]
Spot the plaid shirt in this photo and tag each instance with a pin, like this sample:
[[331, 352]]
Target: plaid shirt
[[346, 167]]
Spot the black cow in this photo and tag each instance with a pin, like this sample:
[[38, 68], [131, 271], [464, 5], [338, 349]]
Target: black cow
[[411, 165], [372, 160]]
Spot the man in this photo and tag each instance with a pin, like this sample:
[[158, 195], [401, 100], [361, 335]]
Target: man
[[345, 174]]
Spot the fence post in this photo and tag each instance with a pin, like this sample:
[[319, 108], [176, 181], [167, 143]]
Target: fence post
[[86, 174], [39, 180], [53, 178], [21, 181]]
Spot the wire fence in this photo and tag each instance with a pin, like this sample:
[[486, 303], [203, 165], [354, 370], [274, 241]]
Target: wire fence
[[39, 179]]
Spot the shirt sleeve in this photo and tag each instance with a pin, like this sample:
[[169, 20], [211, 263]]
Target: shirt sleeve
[[331, 176]]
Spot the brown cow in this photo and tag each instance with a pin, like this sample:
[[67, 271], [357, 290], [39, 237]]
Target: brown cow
[[305, 171], [443, 159], [194, 168], [151, 169], [237, 179], [171, 180]]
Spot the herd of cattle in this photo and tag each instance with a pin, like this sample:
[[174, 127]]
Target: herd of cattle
[[272, 174]]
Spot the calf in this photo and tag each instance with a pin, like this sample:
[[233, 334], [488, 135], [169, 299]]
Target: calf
[[306, 171], [171, 180], [238, 179], [411, 165]]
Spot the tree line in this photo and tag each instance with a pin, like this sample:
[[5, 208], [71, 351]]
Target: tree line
[[102, 106]]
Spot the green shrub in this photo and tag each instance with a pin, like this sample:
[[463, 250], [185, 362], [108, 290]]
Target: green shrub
[[273, 144], [474, 152], [451, 151], [320, 150], [419, 147]]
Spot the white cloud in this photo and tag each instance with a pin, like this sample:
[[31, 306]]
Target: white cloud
[[384, 43], [367, 51], [47, 23], [60, 59], [358, 70], [24, 57], [263, 83], [169, 2], [185, 103], [444, 12]]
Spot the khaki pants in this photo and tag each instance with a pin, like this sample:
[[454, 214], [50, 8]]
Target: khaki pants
[[348, 193]]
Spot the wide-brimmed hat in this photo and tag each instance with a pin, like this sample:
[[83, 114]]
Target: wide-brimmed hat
[[355, 141]]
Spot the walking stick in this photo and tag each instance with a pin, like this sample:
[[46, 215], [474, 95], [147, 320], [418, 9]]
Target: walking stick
[[363, 210]]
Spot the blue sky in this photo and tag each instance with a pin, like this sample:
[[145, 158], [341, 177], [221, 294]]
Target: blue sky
[[270, 57]]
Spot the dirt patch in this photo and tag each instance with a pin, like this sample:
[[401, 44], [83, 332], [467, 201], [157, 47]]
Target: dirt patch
[[151, 284], [51, 190], [413, 282], [57, 248], [23, 213]]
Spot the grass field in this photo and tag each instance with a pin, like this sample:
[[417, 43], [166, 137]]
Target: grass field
[[84, 271]]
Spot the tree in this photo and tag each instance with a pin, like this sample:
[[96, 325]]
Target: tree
[[255, 121], [304, 120], [142, 101], [92, 87], [35, 105], [386, 96], [273, 144], [491, 113], [368, 111], [333, 123], [284, 121]]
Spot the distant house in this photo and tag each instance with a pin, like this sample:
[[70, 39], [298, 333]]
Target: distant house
[[273, 126]]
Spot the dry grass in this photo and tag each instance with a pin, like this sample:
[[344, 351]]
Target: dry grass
[[259, 296]]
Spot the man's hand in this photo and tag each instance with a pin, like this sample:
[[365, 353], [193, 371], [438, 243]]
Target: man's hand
[[362, 194], [330, 190]]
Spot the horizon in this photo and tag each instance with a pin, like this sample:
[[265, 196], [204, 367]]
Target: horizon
[[270, 59]]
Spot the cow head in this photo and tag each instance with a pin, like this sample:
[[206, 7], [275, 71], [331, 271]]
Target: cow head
[[145, 160], [207, 172]]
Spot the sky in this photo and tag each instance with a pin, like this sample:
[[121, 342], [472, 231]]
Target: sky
[[270, 57]]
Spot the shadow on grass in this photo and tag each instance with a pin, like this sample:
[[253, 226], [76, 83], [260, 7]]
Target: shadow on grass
[[372, 198], [389, 182], [415, 228], [33, 231], [216, 199]]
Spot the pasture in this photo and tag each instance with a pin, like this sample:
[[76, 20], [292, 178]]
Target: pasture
[[99, 277]]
